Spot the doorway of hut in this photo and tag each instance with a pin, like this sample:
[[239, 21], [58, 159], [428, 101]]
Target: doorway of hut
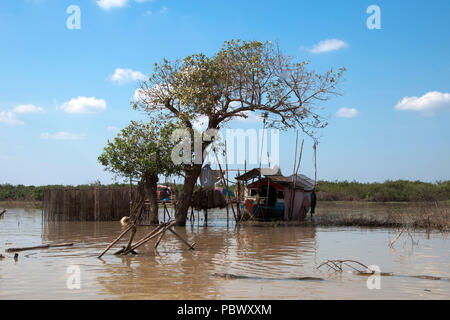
[[271, 195]]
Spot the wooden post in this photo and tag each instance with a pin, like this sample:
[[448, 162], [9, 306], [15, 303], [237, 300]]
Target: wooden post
[[225, 183], [294, 178], [315, 163], [226, 168]]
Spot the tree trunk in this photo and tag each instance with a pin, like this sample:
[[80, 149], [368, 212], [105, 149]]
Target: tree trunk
[[186, 196], [151, 188]]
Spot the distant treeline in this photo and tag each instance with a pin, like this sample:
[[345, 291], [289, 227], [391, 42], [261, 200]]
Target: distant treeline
[[399, 190]]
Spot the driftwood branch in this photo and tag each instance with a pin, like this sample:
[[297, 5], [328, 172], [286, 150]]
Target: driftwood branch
[[45, 246], [1, 213], [396, 238], [337, 265]]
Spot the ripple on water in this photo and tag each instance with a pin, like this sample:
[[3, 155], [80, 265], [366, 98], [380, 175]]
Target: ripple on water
[[266, 255]]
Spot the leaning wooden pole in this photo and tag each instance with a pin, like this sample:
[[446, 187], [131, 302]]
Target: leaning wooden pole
[[293, 179], [191, 246], [45, 246], [116, 240]]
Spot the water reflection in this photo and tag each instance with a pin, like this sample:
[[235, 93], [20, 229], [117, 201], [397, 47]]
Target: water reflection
[[266, 254]]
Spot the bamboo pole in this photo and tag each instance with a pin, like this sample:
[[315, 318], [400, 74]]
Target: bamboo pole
[[149, 234], [45, 246], [137, 245], [116, 240], [130, 241], [225, 183], [226, 167], [299, 159], [160, 237], [294, 178], [315, 163]]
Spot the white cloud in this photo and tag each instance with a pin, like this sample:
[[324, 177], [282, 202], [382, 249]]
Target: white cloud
[[84, 105], [122, 76], [27, 108], [9, 117], [62, 135], [347, 113], [328, 45], [111, 4], [427, 104]]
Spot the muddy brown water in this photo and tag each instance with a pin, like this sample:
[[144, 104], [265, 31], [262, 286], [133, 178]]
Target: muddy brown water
[[250, 262]]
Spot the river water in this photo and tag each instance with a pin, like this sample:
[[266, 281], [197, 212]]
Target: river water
[[260, 262]]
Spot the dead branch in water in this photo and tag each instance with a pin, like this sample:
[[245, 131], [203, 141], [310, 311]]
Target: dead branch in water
[[396, 238], [1, 213], [407, 229], [45, 246], [337, 265]]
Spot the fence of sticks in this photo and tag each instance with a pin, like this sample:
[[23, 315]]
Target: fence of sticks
[[92, 204]]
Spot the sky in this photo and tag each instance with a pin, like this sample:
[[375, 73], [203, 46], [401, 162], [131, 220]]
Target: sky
[[68, 70]]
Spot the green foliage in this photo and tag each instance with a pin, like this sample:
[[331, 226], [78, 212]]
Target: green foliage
[[140, 149], [335, 191], [399, 190]]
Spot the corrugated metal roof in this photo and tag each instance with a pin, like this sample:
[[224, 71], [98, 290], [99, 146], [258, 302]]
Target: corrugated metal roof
[[304, 181], [256, 173]]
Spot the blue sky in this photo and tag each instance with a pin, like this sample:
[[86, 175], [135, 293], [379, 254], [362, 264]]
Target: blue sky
[[396, 90]]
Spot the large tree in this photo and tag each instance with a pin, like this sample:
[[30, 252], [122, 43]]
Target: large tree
[[142, 151], [242, 77]]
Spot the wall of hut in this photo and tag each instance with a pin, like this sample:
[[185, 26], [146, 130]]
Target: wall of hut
[[94, 204]]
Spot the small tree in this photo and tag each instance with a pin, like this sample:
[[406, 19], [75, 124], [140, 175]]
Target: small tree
[[243, 77], [143, 151]]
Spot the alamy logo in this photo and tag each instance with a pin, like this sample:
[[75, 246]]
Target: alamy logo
[[374, 20], [74, 280], [374, 281], [74, 20], [239, 143]]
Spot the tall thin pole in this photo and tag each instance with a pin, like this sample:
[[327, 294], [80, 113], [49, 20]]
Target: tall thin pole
[[294, 179], [225, 183], [262, 142], [226, 168], [315, 163], [299, 158]]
